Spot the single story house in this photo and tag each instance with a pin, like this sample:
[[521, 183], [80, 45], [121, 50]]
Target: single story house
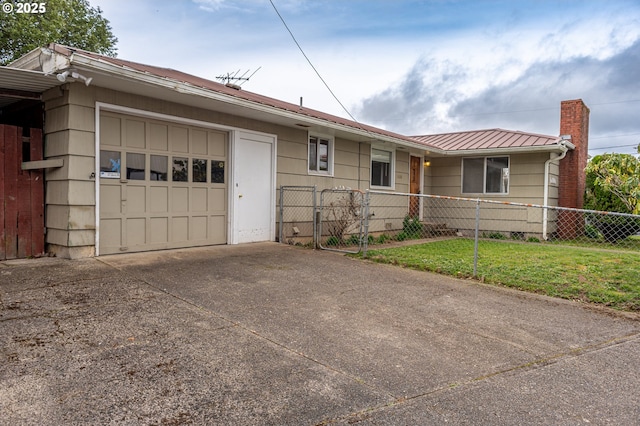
[[140, 158]]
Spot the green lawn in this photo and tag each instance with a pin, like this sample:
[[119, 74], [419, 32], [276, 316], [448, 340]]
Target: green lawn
[[606, 277]]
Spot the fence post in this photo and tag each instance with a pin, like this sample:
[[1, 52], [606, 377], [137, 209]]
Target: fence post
[[281, 214], [475, 244], [365, 234], [315, 217]]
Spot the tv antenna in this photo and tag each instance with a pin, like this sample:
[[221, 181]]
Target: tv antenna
[[235, 81]]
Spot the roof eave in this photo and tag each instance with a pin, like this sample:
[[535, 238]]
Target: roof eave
[[561, 146], [79, 60]]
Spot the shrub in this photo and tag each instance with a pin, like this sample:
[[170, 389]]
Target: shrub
[[591, 231], [383, 238], [333, 241], [354, 240], [412, 226], [496, 236]]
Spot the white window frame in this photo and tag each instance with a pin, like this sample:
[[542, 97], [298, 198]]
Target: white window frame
[[392, 167], [484, 175], [330, 151]]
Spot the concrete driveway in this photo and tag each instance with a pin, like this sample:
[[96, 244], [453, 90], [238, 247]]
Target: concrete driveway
[[273, 334]]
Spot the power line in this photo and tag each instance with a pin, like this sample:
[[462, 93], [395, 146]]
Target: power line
[[541, 109], [614, 146], [616, 136], [315, 70]]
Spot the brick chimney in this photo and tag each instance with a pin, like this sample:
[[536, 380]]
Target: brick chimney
[[574, 121]]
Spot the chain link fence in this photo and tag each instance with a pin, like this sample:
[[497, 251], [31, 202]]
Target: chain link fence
[[350, 220], [402, 217], [297, 215], [341, 219], [331, 219]]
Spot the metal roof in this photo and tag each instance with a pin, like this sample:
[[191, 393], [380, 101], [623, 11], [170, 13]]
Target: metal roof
[[180, 87], [122, 73], [17, 84], [490, 139]]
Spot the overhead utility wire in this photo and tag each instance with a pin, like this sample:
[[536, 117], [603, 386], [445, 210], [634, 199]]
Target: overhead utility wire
[[316, 71], [616, 136], [540, 109], [615, 146]]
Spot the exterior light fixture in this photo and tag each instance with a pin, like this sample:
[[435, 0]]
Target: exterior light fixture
[[62, 77], [427, 163], [86, 80]]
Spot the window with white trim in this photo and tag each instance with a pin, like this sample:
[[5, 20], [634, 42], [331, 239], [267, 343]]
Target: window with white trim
[[381, 168], [485, 175], [320, 155]]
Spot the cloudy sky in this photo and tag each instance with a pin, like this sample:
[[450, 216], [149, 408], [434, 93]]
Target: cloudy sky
[[413, 67]]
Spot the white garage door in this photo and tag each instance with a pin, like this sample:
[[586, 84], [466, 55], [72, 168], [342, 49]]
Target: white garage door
[[162, 185]]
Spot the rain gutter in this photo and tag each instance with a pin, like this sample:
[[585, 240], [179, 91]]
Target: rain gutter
[[565, 146]]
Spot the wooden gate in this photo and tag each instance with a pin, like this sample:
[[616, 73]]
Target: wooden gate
[[21, 194]]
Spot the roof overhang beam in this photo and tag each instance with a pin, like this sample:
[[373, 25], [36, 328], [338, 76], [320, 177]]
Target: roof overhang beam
[[20, 94]]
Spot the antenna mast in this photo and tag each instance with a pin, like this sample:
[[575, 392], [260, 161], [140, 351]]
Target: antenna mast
[[232, 80]]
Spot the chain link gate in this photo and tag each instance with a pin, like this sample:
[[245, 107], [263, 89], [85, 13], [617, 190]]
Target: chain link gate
[[341, 220]]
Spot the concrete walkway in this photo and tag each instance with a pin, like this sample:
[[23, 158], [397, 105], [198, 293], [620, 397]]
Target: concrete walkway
[[273, 334]]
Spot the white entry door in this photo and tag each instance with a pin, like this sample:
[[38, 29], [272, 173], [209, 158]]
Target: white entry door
[[253, 194]]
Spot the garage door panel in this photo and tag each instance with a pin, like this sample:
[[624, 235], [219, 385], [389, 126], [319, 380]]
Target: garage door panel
[[179, 229], [199, 198], [111, 232], [217, 144], [199, 142], [110, 199], [135, 134], [159, 199], [168, 197], [198, 228], [217, 200], [159, 230], [218, 229], [179, 200], [136, 199], [136, 232], [179, 139], [158, 137], [110, 131]]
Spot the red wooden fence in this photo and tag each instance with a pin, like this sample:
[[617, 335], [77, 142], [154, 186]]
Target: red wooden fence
[[21, 194]]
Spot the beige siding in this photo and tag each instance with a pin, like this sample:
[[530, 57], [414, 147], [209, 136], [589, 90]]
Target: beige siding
[[445, 177], [526, 181], [402, 171], [70, 142], [70, 135], [526, 186]]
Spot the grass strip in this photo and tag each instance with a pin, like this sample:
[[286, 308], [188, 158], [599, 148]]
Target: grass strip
[[610, 278]]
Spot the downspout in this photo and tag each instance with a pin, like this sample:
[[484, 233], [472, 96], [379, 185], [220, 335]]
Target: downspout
[[545, 202]]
